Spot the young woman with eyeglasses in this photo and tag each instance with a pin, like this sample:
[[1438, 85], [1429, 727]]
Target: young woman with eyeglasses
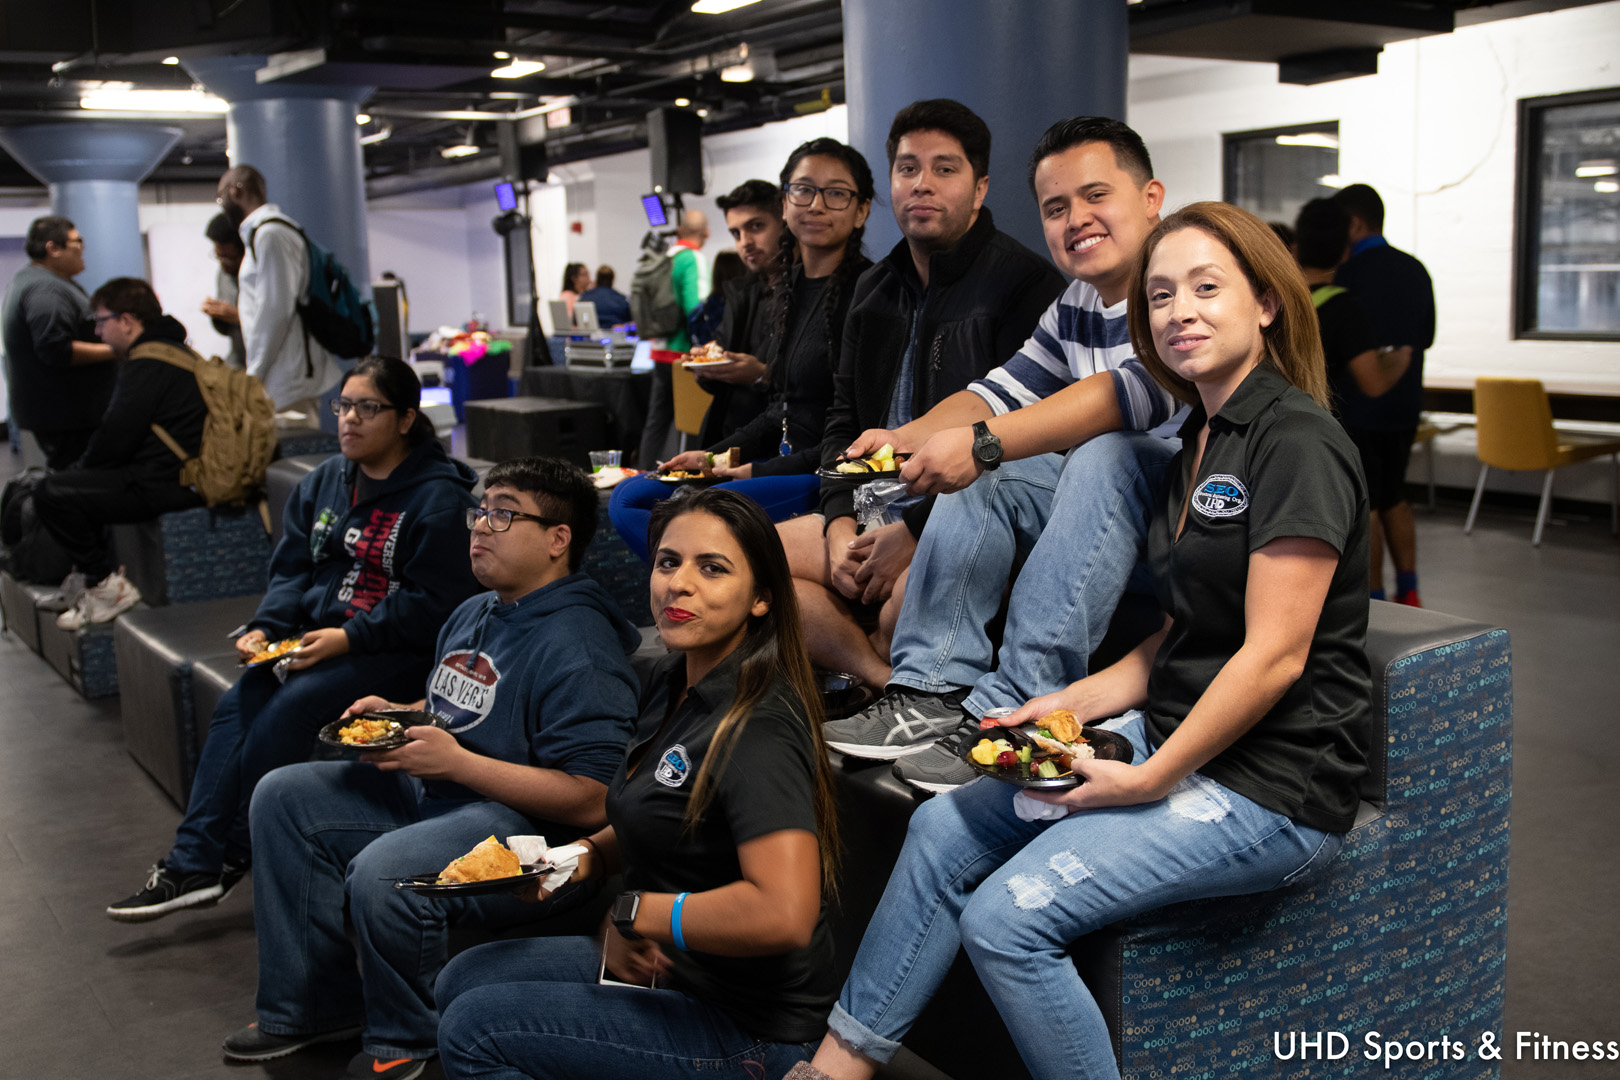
[[369, 566], [827, 195]]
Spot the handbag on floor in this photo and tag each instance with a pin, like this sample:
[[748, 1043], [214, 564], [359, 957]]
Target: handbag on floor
[[30, 554]]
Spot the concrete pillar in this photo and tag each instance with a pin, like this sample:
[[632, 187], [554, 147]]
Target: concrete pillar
[[304, 140], [1022, 65], [93, 170]]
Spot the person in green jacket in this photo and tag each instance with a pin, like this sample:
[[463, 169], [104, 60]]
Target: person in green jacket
[[689, 272]]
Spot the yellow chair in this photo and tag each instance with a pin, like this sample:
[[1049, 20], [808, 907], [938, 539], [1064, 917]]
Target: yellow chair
[[1516, 432], [691, 402]]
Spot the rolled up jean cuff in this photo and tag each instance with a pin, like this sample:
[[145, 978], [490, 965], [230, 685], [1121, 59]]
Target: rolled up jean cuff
[[859, 1037]]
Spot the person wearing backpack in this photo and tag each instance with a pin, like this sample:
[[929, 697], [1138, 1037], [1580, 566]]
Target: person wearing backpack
[[371, 563], [665, 322], [282, 351], [127, 474]]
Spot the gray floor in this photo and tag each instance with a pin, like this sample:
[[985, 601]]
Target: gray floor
[[85, 997]]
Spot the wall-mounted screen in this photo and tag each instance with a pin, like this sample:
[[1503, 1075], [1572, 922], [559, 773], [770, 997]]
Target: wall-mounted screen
[[654, 206], [505, 197]]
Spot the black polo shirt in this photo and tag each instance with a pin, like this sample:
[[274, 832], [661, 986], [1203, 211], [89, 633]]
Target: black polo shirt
[[766, 785], [1275, 465]]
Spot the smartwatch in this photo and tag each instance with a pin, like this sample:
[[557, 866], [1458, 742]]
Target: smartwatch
[[623, 914], [986, 447]]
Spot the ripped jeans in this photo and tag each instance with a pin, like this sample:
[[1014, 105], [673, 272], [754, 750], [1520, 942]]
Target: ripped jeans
[[1014, 894]]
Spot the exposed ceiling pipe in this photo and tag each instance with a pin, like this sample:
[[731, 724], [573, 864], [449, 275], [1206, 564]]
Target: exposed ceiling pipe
[[486, 167]]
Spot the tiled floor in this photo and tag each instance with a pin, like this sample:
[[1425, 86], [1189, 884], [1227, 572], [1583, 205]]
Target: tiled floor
[[81, 996]]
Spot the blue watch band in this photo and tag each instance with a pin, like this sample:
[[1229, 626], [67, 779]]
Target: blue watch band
[[675, 921]]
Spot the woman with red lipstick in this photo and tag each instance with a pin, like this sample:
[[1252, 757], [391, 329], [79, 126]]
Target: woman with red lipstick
[[721, 821], [1248, 712]]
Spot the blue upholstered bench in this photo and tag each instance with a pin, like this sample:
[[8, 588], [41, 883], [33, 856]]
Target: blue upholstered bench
[[195, 555]]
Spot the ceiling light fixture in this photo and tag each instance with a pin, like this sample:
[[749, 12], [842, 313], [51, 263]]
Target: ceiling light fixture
[[682, 102], [171, 60], [1333, 180], [362, 118], [503, 55], [465, 148], [737, 73], [1321, 139], [518, 69], [1607, 187], [1596, 168], [703, 112], [371, 140], [720, 7], [123, 97]]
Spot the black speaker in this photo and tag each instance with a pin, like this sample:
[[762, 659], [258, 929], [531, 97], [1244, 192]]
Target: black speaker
[[520, 161], [675, 141]]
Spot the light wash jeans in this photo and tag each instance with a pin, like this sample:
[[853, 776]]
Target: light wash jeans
[[1016, 893], [1083, 521], [326, 831], [516, 1010]]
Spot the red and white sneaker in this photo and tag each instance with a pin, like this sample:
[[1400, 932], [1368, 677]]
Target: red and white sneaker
[[102, 602]]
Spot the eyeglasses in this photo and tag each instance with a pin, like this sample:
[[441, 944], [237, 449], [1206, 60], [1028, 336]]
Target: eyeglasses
[[833, 198], [365, 410], [99, 319], [500, 519]]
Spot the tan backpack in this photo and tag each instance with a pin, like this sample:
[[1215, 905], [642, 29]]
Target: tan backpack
[[239, 436]]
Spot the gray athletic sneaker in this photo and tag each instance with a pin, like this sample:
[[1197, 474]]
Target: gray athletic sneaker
[[940, 767], [903, 722]]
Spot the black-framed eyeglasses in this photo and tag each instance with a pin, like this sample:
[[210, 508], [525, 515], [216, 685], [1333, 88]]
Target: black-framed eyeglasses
[[99, 319], [833, 198], [500, 518], [364, 409]]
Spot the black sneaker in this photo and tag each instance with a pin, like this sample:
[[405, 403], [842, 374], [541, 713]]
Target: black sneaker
[[167, 892], [940, 768], [251, 1044], [369, 1067], [903, 722], [230, 877]]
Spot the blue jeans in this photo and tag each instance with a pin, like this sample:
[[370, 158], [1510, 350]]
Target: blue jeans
[[1083, 523], [633, 500], [329, 831], [1014, 894], [519, 1009], [263, 724]]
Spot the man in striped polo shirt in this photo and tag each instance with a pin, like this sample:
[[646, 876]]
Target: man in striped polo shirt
[[1048, 456]]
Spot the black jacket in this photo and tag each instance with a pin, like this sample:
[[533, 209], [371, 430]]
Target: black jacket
[[149, 392], [983, 301], [744, 327]]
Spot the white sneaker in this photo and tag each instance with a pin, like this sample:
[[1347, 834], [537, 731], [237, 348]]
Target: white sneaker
[[66, 597], [101, 603]]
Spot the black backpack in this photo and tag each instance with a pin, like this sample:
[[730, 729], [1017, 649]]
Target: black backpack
[[332, 311], [31, 554]]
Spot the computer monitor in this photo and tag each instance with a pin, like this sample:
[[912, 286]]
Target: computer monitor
[[505, 196], [585, 317], [653, 205]]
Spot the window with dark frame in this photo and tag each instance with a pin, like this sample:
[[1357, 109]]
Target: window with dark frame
[[1274, 172], [1566, 265]]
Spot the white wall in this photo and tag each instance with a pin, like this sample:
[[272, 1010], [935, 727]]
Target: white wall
[[1434, 132]]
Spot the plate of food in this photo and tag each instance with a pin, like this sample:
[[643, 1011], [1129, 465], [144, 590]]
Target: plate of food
[[883, 465], [1041, 755], [380, 730], [705, 356], [490, 867], [272, 651], [685, 476]]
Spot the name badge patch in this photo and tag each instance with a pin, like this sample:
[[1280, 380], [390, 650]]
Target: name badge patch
[[1221, 496], [673, 767]]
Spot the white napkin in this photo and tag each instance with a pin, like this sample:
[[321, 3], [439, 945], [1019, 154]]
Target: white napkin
[[1029, 809], [533, 849]]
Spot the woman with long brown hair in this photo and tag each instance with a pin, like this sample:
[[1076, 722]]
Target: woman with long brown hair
[[1248, 713], [721, 821]]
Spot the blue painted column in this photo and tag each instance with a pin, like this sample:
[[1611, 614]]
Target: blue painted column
[[93, 170], [304, 140], [1022, 65]]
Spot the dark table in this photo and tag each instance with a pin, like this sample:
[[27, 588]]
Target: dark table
[[623, 393]]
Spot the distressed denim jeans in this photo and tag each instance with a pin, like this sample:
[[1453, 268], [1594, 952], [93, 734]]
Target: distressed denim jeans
[[1014, 894]]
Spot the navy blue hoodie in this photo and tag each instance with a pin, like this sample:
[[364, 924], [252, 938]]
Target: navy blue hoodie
[[389, 569], [544, 681]]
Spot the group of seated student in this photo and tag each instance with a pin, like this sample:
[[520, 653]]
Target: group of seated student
[[1248, 710]]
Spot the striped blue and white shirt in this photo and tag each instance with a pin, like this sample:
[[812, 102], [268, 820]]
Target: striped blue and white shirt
[[1076, 337]]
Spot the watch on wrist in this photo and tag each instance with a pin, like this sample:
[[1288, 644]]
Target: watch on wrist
[[623, 914], [986, 447]]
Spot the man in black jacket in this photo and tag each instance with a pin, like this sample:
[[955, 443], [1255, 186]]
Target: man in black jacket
[[952, 300], [126, 474]]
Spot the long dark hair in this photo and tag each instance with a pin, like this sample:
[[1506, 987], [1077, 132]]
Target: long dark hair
[[399, 386], [772, 651], [570, 272], [850, 267]]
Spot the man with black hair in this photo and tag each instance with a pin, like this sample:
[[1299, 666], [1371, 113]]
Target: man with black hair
[[532, 700], [951, 299], [1399, 297], [612, 306], [59, 378], [221, 308], [991, 452], [127, 474]]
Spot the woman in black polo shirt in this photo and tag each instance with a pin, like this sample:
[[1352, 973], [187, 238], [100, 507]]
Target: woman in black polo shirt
[[721, 821], [1254, 697]]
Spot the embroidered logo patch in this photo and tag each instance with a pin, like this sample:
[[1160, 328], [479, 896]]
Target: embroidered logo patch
[[673, 767], [1221, 496]]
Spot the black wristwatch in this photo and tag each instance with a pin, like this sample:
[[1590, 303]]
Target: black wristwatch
[[623, 914], [986, 447]]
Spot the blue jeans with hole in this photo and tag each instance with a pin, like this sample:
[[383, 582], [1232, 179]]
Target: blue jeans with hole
[[1082, 521], [332, 834], [533, 1009], [1014, 894]]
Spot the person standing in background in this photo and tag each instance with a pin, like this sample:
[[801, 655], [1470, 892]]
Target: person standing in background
[[1399, 298], [281, 352], [221, 307], [612, 306], [689, 273], [60, 378], [576, 279]]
